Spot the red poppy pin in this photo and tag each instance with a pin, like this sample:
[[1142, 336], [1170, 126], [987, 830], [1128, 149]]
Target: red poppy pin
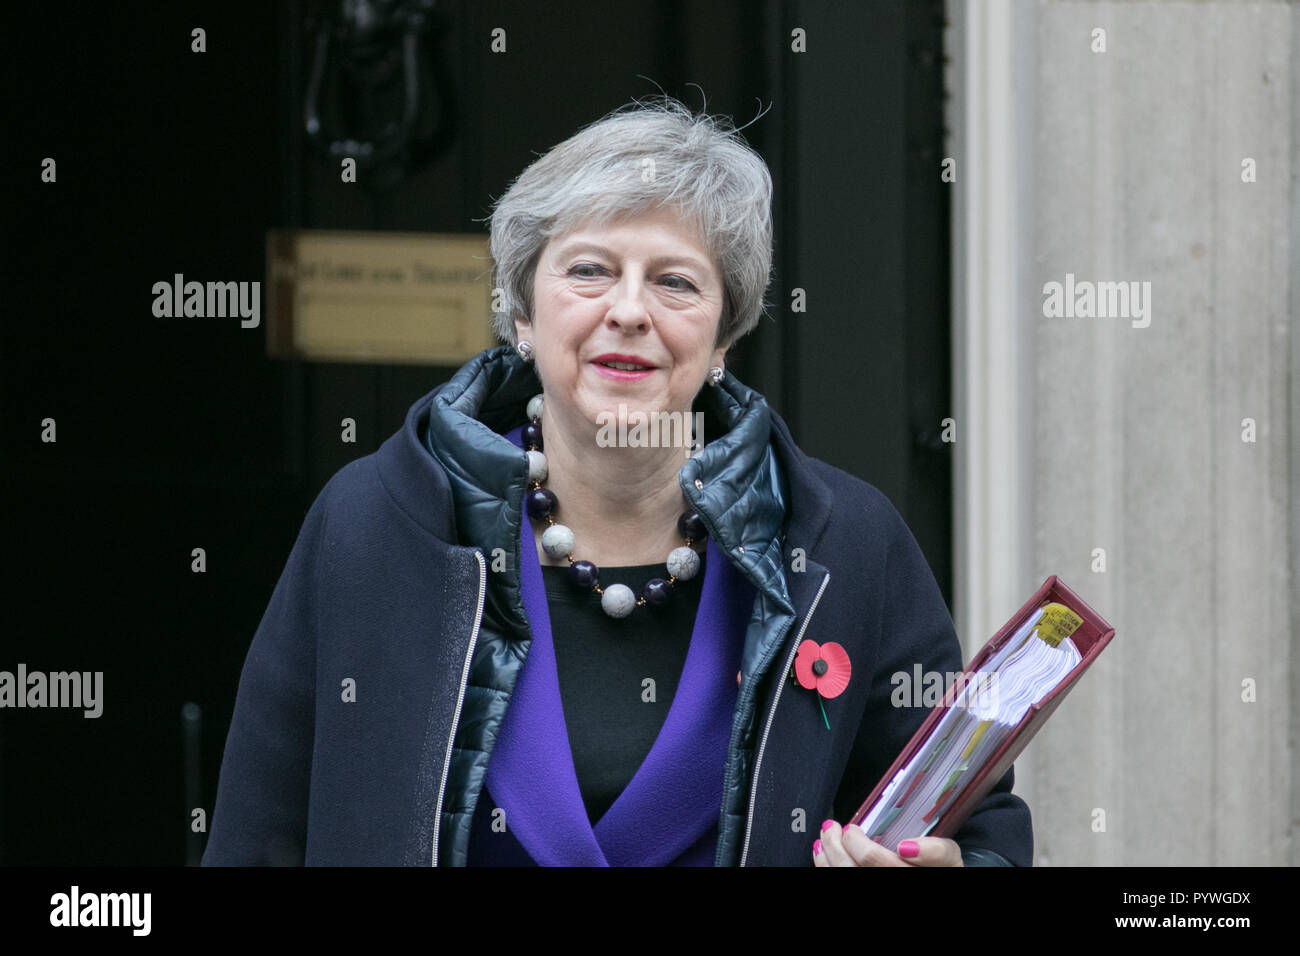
[[824, 668]]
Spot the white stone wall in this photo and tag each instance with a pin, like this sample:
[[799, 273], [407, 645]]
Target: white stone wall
[[1128, 168]]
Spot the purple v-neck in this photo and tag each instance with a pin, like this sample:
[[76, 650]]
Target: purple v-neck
[[676, 794]]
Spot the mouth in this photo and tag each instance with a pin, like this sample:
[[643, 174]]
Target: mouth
[[622, 367]]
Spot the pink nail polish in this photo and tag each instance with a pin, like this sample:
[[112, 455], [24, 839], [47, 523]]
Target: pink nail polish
[[817, 847], [827, 825], [908, 849]]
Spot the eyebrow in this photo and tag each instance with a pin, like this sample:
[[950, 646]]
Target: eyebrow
[[570, 248]]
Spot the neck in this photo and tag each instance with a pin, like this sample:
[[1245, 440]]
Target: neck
[[622, 504]]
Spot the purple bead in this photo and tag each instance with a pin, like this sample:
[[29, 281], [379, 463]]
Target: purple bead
[[583, 574], [691, 525], [532, 435], [656, 592], [541, 502]]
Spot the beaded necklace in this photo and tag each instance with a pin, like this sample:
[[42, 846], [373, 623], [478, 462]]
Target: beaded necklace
[[616, 600]]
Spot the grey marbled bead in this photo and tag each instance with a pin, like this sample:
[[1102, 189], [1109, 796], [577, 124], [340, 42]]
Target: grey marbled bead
[[618, 600], [557, 541], [537, 466], [535, 407], [683, 563]]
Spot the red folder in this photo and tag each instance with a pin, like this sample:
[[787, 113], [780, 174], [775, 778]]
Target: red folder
[[1090, 637]]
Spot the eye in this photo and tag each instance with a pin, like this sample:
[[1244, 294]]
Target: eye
[[585, 265], [685, 286]]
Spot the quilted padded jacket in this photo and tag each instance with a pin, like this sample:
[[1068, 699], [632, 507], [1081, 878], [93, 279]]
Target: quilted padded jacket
[[374, 685]]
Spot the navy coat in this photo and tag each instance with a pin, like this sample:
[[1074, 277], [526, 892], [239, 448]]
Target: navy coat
[[379, 602]]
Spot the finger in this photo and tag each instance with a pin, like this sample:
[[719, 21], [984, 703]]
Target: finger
[[930, 851], [866, 851], [832, 849], [819, 854]]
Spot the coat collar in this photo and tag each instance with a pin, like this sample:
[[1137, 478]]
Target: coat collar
[[466, 420], [734, 482]]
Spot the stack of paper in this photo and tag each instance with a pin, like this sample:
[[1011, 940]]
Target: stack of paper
[[988, 707]]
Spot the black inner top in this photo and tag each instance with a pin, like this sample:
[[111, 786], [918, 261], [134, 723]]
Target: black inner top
[[613, 718]]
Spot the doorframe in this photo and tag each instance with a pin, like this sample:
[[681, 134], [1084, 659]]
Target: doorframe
[[990, 66]]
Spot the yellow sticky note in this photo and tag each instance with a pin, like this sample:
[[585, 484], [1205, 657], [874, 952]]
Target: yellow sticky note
[[1057, 623]]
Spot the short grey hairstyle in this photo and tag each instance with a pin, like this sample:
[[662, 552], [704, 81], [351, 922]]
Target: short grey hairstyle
[[700, 163]]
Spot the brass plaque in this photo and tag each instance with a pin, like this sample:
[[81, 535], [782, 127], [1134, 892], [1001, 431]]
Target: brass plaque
[[378, 297]]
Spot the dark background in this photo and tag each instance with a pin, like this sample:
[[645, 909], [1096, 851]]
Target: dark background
[[175, 434]]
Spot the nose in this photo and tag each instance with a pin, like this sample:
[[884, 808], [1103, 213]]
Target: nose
[[628, 312]]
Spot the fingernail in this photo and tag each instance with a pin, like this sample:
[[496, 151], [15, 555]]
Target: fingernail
[[817, 847], [827, 825], [908, 848]]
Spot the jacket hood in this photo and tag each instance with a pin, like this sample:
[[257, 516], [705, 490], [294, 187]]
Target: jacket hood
[[735, 482]]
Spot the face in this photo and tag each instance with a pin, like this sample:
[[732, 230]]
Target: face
[[639, 290]]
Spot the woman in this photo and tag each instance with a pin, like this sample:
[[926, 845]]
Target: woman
[[532, 630]]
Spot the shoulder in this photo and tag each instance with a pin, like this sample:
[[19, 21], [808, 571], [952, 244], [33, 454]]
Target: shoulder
[[399, 482], [851, 501], [859, 510], [365, 508], [851, 492], [351, 492]]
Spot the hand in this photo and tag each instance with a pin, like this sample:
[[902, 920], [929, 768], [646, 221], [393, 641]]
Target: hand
[[851, 847]]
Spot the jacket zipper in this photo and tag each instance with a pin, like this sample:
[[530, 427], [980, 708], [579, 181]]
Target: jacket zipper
[[460, 701], [767, 727]]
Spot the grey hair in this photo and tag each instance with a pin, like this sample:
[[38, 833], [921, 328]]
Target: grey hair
[[698, 162]]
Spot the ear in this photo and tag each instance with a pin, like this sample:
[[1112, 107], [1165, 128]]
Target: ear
[[522, 327]]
